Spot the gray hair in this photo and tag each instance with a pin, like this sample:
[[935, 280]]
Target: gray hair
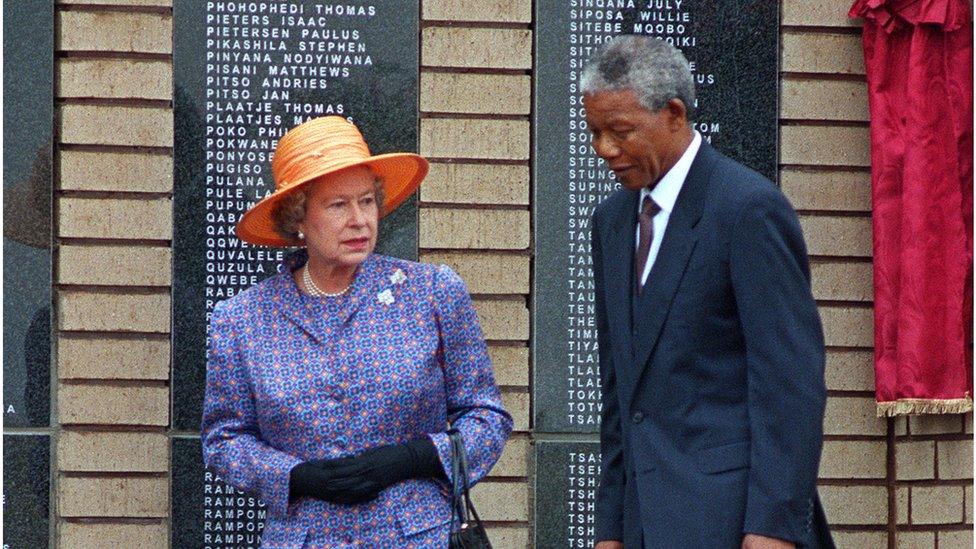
[[657, 71], [290, 211]]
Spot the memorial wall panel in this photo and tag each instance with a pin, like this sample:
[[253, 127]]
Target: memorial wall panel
[[246, 72], [28, 111], [732, 47], [208, 513], [567, 476], [26, 487]]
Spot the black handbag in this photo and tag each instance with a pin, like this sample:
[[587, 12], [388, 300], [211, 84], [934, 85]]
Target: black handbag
[[467, 532]]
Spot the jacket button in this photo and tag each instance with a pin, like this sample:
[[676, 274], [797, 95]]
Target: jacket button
[[638, 417]]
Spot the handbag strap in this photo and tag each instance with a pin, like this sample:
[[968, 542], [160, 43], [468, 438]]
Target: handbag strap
[[459, 474], [463, 458]]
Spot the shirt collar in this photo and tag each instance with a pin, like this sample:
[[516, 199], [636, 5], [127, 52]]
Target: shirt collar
[[665, 193]]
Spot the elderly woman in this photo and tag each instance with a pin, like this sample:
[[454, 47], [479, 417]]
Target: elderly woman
[[331, 385]]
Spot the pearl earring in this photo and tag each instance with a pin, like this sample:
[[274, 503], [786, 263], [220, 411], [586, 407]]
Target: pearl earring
[[301, 235]]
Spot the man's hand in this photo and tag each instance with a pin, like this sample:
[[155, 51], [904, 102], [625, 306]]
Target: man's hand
[[755, 541], [609, 545]]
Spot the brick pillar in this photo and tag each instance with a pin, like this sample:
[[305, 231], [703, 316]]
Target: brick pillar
[[475, 103], [112, 273], [825, 172]]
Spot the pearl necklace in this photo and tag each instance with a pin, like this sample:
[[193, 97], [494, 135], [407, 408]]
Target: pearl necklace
[[315, 291]]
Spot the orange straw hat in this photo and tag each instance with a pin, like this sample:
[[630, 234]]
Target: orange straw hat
[[319, 147]]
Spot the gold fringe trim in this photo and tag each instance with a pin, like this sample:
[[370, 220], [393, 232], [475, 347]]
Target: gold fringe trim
[[906, 406]]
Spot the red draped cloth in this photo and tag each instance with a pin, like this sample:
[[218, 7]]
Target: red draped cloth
[[919, 60]]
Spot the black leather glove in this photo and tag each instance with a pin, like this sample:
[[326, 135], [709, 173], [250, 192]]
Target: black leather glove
[[358, 479], [307, 480]]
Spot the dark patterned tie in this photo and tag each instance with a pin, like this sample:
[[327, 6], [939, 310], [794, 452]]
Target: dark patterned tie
[[649, 209]]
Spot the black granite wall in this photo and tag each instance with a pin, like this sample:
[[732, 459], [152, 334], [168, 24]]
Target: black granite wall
[[28, 110], [732, 46], [234, 96]]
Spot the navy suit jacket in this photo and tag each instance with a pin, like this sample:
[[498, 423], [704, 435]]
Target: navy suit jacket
[[713, 378]]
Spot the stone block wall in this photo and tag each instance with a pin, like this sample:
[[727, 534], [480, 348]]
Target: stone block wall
[[884, 482], [113, 216], [475, 106]]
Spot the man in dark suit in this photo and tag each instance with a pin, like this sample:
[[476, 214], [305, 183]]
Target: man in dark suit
[[711, 348]]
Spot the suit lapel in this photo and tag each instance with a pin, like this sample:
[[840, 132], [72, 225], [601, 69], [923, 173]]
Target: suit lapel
[[618, 246], [680, 238]]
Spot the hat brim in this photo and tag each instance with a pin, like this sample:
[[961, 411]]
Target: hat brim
[[401, 174]]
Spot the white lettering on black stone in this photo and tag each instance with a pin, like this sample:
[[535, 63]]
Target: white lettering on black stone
[[231, 518], [270, 65], [582, 480], [266, 64], [592, 23]]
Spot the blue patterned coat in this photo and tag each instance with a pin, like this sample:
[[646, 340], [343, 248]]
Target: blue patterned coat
[[292, 377]]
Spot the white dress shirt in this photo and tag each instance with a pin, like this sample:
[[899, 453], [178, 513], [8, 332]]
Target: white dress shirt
[[665, 194]]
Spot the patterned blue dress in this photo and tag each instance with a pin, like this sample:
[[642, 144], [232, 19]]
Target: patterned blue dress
[[291, 377]]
